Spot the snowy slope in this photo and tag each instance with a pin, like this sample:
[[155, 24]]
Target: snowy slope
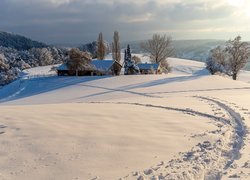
[[183, 125], [39, 71], [41, 81]]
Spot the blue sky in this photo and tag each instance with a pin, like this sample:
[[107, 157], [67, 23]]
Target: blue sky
[[80, 21]]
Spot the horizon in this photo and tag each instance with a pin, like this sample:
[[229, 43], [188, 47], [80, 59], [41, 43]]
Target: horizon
[[132, 41], [80, 21]]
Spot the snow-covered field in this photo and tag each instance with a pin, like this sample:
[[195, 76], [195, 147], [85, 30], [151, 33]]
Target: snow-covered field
[[183, 125]]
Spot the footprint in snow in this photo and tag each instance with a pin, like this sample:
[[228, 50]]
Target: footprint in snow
[[95, 178], [246, 165], [234, 176], [2, 126]]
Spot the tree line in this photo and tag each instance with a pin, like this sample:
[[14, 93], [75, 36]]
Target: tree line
[[228, 59], [13, 61], [159, 48]]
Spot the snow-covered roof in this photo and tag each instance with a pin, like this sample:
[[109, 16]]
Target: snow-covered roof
[[98, 64], [62, 67], [148, 66], [102, 64]]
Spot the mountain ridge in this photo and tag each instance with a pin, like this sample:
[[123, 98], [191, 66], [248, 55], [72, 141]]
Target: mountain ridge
[[18, 42]]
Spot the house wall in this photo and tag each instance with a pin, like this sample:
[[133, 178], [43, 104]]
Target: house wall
[[114, 70], [147, 71]]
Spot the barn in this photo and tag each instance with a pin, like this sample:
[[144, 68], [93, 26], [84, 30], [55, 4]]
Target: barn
[[99, 68], [149, 68]]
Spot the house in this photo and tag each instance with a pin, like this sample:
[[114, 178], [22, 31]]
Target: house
[[149, 68], [98, 68], [107, 67]]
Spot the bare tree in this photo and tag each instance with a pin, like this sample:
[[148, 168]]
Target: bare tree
[[238, 53], [137, 59], [116, 50], [78, 60], [159, 48], [101, 48]]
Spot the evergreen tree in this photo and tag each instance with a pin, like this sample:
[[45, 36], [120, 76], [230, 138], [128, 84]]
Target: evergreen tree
[[129, 52], [125, 56], [129, 64]]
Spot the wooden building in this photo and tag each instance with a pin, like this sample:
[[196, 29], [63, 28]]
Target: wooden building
[[98, 68], [149, 68]]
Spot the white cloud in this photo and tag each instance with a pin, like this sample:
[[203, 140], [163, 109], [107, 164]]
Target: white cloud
[[133, 18], [237, 3], [59, 2]]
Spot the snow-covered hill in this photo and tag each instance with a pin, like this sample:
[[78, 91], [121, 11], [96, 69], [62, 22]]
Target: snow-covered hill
[[183, 125], [42, 80]]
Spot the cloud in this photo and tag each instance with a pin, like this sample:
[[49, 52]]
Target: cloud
[[79, 21]]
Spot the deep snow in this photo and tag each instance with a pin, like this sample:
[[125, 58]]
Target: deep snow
[[183, 125]]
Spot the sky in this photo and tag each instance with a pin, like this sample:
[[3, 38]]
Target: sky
[[80, 21]]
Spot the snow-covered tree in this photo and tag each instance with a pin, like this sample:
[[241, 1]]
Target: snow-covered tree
[[216, 62], [7, 73], [79, 60], [44, 57], [57, 55], [238, 54], [129, 64], [165, 67], [229, 60], [3, 65], [13, 61]]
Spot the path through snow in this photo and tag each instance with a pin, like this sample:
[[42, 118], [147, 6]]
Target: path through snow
[[207, 160]]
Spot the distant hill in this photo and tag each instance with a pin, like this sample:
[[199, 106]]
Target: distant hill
[[197, 50], [186, 49], [18, 42]]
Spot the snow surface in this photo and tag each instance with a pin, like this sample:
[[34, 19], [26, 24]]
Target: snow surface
[[183, 125]]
